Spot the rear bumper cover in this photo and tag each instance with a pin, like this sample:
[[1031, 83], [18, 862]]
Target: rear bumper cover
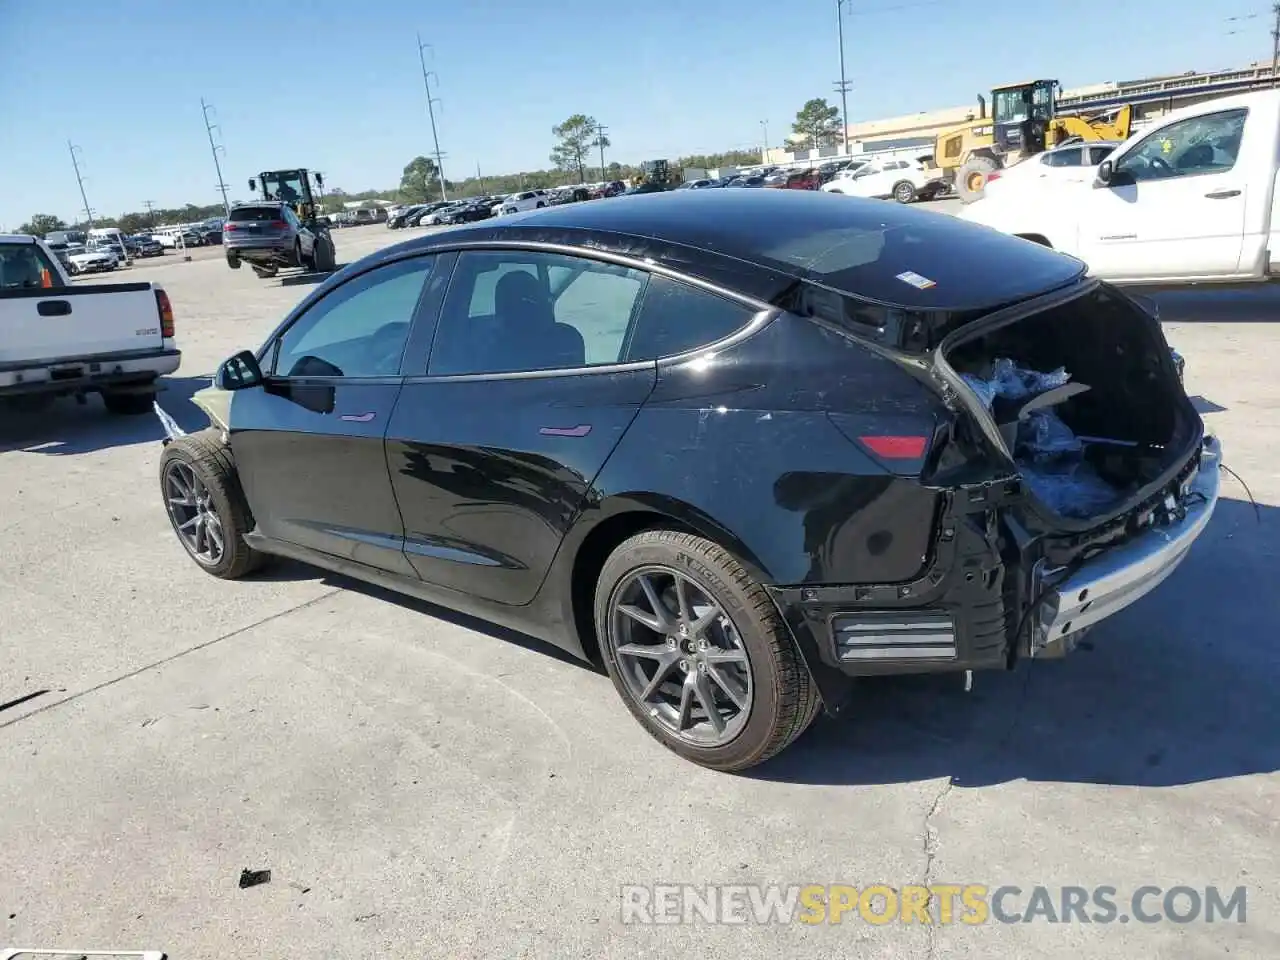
[[1125, 573], [86, 374], [964, 612]]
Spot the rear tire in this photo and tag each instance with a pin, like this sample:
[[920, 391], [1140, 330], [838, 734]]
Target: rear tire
[[774, 698], [904, 191], [128, 404], [201, 465], [233, 262]]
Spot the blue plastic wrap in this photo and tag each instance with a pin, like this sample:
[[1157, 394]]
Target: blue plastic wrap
[[1048, 453]]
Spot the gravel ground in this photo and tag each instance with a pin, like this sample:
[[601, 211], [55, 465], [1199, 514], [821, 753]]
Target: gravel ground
[[424, 785]]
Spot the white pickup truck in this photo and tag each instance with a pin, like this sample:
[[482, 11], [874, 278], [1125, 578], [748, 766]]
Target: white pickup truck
[[1194, 198], [61, 338]]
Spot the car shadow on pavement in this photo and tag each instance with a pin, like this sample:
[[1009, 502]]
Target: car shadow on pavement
[[282, 570], [69, 427], [311, 277], [1181, 688], [1204, 405]]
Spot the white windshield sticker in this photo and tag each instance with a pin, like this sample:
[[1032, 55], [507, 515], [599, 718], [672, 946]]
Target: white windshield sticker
[[917, 281]]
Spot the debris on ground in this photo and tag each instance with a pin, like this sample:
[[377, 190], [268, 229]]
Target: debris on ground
[[253, 878]]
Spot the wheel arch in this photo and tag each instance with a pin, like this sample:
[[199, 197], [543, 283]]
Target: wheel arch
[[618, 519]]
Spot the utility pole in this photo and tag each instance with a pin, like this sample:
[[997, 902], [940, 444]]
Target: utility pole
[[480, 178], [435, 137], [1275, 46], [151, 216], [88, 212], [764, 154], [842, 86], [214, 148], [600, 131]]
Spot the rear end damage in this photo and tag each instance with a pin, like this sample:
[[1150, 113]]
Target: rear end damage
[[1017, 568]]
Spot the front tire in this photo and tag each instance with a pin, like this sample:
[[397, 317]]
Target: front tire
[[206, 506], [698, 651], [904, 191]]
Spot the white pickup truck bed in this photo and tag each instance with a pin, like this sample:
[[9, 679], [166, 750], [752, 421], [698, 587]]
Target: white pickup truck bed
[[63, 338]]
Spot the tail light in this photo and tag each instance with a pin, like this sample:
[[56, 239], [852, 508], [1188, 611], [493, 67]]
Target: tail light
[[993, 175], [166, 314], [900, 445], [278, 225], [230, 228]]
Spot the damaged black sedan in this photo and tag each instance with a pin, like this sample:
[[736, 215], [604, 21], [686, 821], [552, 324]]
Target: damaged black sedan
[[737, 447]]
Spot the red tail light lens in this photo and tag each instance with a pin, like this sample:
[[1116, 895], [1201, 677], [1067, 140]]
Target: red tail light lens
[[896, 448], [277, 225], [166, 314], [993, 175], [230, 228]]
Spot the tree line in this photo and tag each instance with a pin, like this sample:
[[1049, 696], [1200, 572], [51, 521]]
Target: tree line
[[576, 156]]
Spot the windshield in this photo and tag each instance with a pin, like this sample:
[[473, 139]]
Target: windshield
[[285, 185]]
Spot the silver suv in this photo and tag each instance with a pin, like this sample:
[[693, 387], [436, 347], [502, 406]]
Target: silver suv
[[268, 235]]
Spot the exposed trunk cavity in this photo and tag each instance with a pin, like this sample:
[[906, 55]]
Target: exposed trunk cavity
[[1086, 398]]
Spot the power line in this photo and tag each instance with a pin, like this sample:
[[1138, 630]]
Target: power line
[[88, 212], [214, 148], [435, 137]]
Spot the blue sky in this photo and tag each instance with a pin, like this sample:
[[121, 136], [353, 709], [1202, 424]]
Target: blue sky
[[335, 85]]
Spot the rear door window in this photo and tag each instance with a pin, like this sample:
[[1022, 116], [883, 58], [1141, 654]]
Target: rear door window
[[678, 317]]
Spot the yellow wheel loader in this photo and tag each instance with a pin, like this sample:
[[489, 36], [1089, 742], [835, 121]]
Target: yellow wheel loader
[[1023, 123]]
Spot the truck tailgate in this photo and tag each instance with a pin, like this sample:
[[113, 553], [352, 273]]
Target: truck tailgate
[[78, 321]]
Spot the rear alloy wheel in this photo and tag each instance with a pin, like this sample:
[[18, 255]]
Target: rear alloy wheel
[[698, 652], [205, 505], [904, 192]]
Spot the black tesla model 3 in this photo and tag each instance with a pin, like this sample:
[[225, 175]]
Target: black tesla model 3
[[737, 447]]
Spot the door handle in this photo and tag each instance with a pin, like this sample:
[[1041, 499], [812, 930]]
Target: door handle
[[359, 417], [53, 308], [1222, 194]]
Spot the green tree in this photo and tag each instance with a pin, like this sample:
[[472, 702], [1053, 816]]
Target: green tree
[[42, 223], [576, 136], [818, 123], [417, 180]]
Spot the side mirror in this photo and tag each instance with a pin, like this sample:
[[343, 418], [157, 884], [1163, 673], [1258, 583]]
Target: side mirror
[[239, 372], [253, 184], [1106, 172]]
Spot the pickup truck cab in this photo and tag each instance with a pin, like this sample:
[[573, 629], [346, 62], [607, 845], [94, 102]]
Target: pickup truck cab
[[1191, 199], [59, 338]]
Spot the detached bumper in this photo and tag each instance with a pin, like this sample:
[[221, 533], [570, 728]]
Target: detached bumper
[[1127, 572]]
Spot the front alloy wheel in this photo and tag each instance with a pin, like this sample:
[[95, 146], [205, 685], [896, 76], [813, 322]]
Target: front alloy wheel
[[195, 519], [680, 656]]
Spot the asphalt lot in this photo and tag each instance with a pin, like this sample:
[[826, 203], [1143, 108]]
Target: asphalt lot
[[422, 785]]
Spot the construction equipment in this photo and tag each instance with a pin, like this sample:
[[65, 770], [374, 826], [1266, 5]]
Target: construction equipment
[[293, 187], [655, 176], [1023, 123]]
